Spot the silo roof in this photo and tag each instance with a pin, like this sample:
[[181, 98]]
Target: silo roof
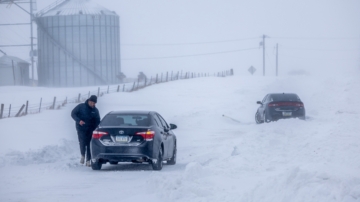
[[76, 7]]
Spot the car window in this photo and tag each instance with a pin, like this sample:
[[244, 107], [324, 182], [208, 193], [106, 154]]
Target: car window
[[285, 97], [125, 120], [264, 100], [157, 121], [163, 122]]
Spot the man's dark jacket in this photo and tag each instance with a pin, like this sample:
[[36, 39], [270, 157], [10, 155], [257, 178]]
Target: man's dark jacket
[[85, 113]]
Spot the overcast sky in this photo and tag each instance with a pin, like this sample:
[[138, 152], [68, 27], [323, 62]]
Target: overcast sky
[[313, 35]]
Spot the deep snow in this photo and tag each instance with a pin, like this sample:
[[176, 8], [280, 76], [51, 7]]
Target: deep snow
[[218, 159]]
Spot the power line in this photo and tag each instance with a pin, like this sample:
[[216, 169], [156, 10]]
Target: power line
[[317, 49], [317, 38], [192, 55], [194, 43]]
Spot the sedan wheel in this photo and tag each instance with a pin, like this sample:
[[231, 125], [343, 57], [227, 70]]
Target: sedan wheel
[[96, 165], [266, 118], [258, 118], [159, 162]]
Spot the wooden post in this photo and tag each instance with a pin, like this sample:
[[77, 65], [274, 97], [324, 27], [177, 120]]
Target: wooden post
[[145, 81], [167, 75], [98, 92], [79, 98], [118, 88], [156, 81], [18, 114], [9, 110], [133, 86], [108, 90], [53, 106], [40, 105], [161, 77], [1, 111], [26, 108], [171, 76]]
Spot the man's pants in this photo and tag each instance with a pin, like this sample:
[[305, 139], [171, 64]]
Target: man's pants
[[84, 141]]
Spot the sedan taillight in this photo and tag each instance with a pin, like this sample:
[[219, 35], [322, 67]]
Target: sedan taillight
[[148, 135], [98, 134], [277, 104]]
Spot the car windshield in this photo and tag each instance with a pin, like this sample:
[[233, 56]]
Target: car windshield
[[284, 97], [125, 120]]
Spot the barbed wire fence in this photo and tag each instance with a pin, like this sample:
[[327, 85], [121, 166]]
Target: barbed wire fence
[[58, 102]]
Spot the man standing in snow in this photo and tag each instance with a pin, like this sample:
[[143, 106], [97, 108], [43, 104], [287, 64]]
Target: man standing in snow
[[87, 118]]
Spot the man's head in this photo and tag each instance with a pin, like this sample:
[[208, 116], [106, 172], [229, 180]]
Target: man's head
[[92, 101]]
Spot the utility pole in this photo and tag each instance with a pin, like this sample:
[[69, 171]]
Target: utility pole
[[32, 42], [277, 56], [263, 44]]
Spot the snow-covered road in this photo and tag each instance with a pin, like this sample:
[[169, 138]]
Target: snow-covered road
[[218, 159]]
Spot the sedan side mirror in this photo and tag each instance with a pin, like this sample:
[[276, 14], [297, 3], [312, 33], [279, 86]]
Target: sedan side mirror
[[172, 126], [258, 102]]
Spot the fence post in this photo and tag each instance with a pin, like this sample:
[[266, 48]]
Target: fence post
[[26, 108], [156, 81], [79, 98], [161, 77], [40, 105], [167, 75], [1, 111], [108, 90], [64, 103], [145, 81], [133, 87], [171, 76], [118, 88], [53, 106], [18, 114], [9, 110], [98, 91]]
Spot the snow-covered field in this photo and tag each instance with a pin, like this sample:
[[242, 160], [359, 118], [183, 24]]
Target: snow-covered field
[[218, 159]]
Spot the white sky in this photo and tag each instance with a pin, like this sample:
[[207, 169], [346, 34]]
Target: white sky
[[314, 36]]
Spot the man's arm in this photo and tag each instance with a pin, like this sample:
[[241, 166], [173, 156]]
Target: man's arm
[[74, 114]]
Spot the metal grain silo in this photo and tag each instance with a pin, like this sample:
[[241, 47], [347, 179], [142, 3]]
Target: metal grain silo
[[78, 43]]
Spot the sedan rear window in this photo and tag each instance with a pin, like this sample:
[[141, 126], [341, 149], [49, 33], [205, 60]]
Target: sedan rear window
[[285, 97], [125, 120]]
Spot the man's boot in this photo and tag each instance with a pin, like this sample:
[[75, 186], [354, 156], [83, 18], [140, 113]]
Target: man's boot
[[82, 160], [88, 163]]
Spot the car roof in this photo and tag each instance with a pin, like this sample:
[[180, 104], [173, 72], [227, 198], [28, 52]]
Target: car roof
[[131, 112], [282, 94]]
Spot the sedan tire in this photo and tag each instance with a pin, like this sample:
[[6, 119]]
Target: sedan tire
[[96, 165], [266, 118], [258, 118], [159, 162]]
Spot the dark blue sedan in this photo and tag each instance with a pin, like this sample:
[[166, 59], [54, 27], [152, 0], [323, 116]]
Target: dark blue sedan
[[133, 136]]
